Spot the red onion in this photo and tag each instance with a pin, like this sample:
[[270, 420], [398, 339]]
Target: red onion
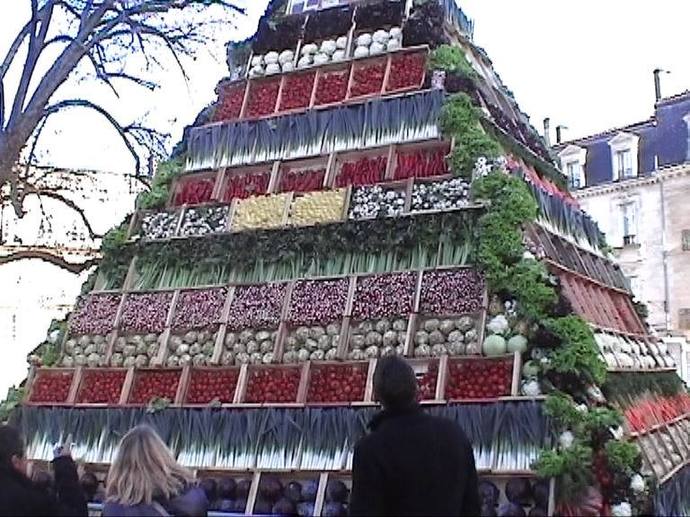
[[452, 292], [199, 309], [145, 312], [383, 296], [94, 314], [256, 306], [318, 301]]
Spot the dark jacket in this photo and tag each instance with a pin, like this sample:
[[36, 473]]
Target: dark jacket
[[20, 497], [191, 503], [414, 464]]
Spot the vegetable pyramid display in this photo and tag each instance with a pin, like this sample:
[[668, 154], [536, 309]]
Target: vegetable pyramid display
[[366, 185]]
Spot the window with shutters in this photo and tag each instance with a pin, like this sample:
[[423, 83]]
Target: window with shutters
[[624, 148], [624, 168]]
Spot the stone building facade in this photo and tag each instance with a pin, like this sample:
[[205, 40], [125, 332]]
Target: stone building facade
[[635, 182]]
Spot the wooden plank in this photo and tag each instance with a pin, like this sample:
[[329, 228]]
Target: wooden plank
[[351, 291], [245, 100], [344, 338], [162, 355], [328, 177], [183, 384], [274, 182], [369, 387], [321, 493], [303, 388], [418, 292], [279, 345], [253, 493], [412, 322], [74, 388], [241, 389], [130, 278], [517, 374], [127, 387], [442, 377], [219, 346]]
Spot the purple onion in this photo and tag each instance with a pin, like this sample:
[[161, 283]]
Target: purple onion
[[94, 314], [145, 312], [318, 301], [199, 309], [452, 292], [256, 306], [384, 296]]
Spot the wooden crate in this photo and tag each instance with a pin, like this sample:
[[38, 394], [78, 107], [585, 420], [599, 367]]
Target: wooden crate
[[37, 376], [83, 380], [137, 376], [231, 395]]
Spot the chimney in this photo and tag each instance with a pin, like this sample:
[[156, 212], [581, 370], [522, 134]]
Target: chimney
[[547, 131], [559, 130], [657, 84]]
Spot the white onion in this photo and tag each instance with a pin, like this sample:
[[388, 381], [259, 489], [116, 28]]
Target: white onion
[[396, 33], [341, 42], [257, 61], [339, 55]]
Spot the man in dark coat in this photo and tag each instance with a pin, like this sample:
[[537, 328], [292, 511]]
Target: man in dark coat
[[19, 496], [411, 463]]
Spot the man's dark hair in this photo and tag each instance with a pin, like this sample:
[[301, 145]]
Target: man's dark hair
[[11, 444], [395, 384]]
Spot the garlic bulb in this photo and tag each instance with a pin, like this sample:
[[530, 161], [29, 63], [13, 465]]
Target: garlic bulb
[[304, 61], [377, 48], [341, 42], [321, 59], [271, 57], [339, 55], [286, 56], [364, 40], [381, 36], [309, 49], [272, 68]]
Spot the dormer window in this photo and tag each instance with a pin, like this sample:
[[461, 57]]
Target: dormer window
[[573, 160], [624, 156], [623, 164]]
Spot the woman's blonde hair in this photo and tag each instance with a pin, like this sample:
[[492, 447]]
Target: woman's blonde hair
[[144, 469]]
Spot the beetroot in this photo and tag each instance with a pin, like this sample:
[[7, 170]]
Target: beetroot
[[199, 308], [256, 306], [146, 312], [384, 296], [452, 292], [94, 314]]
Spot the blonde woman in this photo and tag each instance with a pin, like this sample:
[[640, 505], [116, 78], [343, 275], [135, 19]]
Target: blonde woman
[[145, 480]]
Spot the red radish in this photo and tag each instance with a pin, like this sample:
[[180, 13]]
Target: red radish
[[365, 171], [230, 102], [101, 387], [272, 385], [194, 191], [51, 386], [306, 180], [150, 384], [384, 296], [297, 91], [263, 96], [367, 79], [337, 383], [209, 385], [243, 185], [332, 87], [452, 292], [407, 70]]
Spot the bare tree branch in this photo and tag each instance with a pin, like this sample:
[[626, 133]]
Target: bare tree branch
[[53, 194], [51, 258]]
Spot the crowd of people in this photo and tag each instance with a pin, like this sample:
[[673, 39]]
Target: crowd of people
[[409, 463]]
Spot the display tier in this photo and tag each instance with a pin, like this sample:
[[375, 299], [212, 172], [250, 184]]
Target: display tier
[[366, 185]]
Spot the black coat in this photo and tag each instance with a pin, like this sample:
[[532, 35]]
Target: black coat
[[414, 464], [20, 497]]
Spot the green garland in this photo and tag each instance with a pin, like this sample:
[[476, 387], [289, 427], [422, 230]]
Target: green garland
[[462, 120], [450, 59], [159, 192], [12, 401]]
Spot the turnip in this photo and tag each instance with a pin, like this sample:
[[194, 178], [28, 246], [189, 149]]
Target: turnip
[[116, 360], [431, 325], [421, 337], [290, 357], [390, 338], [303, 355], [331, 355], [242, 358], [400, 325], [436, 337], [317, 355], [175, 342], [324, 343], [422, 351], [185, 359], [373, 339], [372, 352], [356, 355], [239, 348], [252, 347], [141, 361], [129, 362]]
